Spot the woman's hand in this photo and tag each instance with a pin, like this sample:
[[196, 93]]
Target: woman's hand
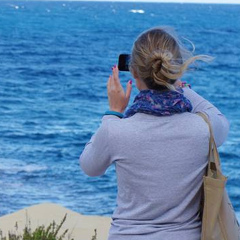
[[178, 83], [117, 98]]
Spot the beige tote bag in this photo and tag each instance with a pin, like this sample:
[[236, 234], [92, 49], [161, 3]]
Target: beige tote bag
[[219, 221]]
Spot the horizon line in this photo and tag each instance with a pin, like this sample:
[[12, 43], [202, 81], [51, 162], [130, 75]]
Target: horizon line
[[226, 2]]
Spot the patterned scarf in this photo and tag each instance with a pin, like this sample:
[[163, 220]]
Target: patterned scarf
[[159, 103]]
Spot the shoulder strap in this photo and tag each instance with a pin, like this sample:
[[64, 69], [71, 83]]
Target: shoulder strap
[[213, 156]]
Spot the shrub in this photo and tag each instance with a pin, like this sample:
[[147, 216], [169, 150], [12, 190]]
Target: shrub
[[41, 232]]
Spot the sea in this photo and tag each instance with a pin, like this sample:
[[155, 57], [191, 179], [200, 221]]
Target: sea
[[55, 60]]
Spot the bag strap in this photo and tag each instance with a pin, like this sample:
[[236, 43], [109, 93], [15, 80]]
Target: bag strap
[[213, 156]]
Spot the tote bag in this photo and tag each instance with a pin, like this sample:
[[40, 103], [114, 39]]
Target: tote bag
[[219, 220]]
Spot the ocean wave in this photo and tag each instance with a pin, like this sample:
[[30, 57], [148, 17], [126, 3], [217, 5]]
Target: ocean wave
[[137, 11], [219, 31], [16, 166], [14, 6]]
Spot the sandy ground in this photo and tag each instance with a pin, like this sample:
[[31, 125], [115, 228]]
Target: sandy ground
[[81, 227]]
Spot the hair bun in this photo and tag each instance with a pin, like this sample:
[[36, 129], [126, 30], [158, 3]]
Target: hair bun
[[158, 58], [157, 65]]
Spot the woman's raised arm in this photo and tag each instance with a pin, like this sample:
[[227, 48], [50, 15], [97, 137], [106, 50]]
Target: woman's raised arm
[[96, 157], [219, 122]]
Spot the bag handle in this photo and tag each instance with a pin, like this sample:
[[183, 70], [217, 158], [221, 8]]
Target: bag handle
[[213, 155]]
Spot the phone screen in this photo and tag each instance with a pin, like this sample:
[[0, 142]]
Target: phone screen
[[123, 62]]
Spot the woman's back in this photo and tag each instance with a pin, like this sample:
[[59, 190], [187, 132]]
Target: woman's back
[[160, 163]]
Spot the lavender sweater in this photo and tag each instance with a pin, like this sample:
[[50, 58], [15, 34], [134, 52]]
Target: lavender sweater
[[160, 163]]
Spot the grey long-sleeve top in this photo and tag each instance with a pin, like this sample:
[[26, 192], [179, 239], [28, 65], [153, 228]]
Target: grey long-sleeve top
[[160, 163]]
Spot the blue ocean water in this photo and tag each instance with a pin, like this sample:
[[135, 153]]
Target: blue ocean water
[[55, 58]]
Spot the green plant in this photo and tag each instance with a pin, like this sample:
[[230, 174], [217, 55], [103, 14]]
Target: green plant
[[41, 232]]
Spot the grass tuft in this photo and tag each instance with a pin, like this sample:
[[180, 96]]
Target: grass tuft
[[50, 232]]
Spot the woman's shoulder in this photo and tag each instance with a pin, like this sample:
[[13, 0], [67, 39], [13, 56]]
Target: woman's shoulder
[[140, 121], [183, 127], [143, 117]]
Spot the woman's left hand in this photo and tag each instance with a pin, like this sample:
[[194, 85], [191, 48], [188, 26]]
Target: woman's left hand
[[117, 98], [178, 83]]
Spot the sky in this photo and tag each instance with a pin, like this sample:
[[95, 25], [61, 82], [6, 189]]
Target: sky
[[178, 1]]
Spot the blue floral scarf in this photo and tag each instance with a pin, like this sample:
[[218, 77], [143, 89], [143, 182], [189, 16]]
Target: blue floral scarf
[[159, 103]]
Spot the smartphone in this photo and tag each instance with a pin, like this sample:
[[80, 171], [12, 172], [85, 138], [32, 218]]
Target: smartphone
[[123, 62]]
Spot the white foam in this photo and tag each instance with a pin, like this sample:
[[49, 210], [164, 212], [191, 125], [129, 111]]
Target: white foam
[[16, 166], [33, 168], [14, 6], [137, 11]]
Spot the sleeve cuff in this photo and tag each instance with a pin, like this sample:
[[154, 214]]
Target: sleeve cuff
[[110, 112]]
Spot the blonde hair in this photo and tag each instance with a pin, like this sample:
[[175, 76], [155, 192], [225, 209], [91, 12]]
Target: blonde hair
[[159, 58]]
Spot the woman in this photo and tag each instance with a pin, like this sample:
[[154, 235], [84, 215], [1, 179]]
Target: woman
[[159, 145]]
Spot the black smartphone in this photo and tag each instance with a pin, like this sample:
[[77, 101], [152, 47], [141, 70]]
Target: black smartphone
[[123, 62]]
